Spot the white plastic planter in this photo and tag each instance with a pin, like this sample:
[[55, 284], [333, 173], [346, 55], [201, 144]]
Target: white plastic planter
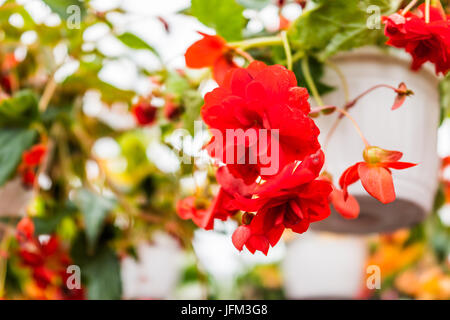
[[412, 129], [157, 271], [14, 198], [324, 266]]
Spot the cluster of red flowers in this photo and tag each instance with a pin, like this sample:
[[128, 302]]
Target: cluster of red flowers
[[424, 40], [249, 100], [47, 260], [266, 146], [31, 160]]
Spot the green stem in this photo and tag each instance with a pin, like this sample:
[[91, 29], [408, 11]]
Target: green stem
[[409, 6], [310, 81], [4, 245], [297, 56], [341, 76], [287, 49], [257, 42]]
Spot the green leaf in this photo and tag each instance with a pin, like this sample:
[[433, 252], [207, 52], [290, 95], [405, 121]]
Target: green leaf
[[338, 25], [48, 224], [19, 110], [100, 272], [176, 85], [254, 4], [64, 8], [444, 88], [192, 102], [134, 42], [225, 16], [134, 149], [13, 142], [316, 68], [94, 209]]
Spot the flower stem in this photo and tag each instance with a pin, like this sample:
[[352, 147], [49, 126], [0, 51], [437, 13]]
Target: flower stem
[[4, 245], [351, 103], [310, 81], [257, 42], [47, 95], [244, 54], [348, 105], [346, 114], [342, 78], [287, 49], [408, 7]]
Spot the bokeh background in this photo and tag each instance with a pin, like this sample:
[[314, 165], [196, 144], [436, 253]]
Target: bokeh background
[[414, 262]]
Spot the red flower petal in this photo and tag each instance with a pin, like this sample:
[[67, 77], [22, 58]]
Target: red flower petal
[[348, 177], [258, 243], [240, 236], [205, 52], [221, 66], [399, 165], [348, 208], [378, 182]]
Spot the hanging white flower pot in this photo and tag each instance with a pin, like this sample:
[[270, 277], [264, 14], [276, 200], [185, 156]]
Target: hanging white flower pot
[[411, 129], [324, 266], [156, 272], [14, 198]]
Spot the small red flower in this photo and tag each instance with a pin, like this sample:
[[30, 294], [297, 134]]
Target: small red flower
[[213, 52], [25, 229], [144, 112], [375, 173], [35, 155], [292, 199], [171, 109], [28, 177], [196, 210], [424, 41], [402, 92], [31, 159]]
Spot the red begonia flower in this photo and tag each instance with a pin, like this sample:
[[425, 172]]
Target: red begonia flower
[[25, 229], [31, 159], [424, 41], [254, 98], [402, 92], [197, 211], [144, 112], [171, 109], [293, 199], [34, 156], [212, 52], [47, 260], [375, 173]]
